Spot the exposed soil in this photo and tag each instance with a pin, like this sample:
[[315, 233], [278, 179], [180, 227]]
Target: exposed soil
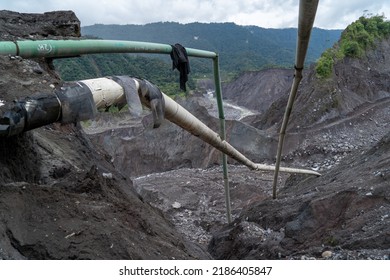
[[118, 189]]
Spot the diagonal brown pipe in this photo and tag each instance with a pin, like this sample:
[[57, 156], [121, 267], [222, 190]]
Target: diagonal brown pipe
[[175, 113], [307, 13]]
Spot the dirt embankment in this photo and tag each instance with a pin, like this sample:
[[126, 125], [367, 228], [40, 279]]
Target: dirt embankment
[[341, 128], [60, 196], [354, 84]]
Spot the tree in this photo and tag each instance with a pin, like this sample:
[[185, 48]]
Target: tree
[[352, 49], [355, 40]]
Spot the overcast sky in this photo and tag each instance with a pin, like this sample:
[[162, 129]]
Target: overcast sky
[[331, 14]]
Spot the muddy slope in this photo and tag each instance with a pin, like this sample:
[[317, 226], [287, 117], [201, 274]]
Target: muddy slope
[[346, 212], [60, 196], [340, 127], [260, 89], [353, 84]]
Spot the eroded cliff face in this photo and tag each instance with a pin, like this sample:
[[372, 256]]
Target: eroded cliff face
[[33, 26], [354, 84], [258, 90], [60, 196]]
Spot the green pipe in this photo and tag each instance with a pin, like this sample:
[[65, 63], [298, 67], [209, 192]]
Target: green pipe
[[218, 93], [8, 48], [66, 48]]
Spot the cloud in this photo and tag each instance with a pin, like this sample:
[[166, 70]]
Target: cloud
[[266, 13], [338, 14]]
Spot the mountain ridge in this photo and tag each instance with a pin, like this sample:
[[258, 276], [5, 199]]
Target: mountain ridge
[[240, 48]]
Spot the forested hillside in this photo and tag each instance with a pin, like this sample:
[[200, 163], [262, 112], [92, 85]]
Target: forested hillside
[[241, 48]]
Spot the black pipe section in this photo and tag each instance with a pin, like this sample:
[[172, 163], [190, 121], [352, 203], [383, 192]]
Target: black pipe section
[[77, 102], [72, 102], [30, 113], [153, 96], [41, 110]]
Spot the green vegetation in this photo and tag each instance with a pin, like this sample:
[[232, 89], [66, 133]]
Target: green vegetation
[[325, 63], [355, 40]]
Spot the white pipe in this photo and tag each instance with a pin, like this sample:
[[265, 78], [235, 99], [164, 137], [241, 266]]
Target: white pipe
[[175, 113], [107, 92], [180, 116]]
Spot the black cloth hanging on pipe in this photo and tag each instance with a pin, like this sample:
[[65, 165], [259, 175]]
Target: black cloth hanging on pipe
[[180, 62]]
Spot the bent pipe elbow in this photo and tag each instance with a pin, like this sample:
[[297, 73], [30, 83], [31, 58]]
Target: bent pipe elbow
[[77, 103], [183, 118]]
